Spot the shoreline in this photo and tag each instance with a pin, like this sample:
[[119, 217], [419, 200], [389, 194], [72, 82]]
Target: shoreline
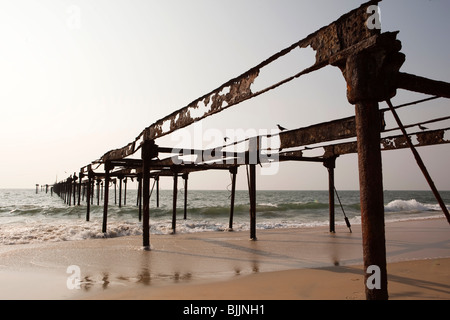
[[408, 280], [285, 264]]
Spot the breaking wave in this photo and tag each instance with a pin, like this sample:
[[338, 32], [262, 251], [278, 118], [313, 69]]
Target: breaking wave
[[29, 218], [409, 206]]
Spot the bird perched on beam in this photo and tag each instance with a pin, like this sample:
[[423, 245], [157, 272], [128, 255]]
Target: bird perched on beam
[[422, 128], [281, 128]]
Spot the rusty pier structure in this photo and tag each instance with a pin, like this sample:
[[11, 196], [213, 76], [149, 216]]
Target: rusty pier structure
[[370, 62]]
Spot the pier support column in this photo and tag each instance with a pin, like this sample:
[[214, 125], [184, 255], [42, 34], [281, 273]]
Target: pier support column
[[108, 167], [120, 191], [148, 152], [233, 172], [185, 178], [139, 196], [69, 191], [371, 194], [88, 195], [330, 164], [252, 159], [98, 191], [75, 178], [115, 191], [125, 182], [252, 190], [92, 186], [370, 76], [157, 191], [174, 202], [79, 188]]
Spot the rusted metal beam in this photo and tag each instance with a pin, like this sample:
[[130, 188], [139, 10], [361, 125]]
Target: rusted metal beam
[[323, 132], [419, 124], [333, 44], [302, 159], [427, 138], [303, 136], [165, 165], [127, 163], [182, 169], [423, 85], [121, 153]]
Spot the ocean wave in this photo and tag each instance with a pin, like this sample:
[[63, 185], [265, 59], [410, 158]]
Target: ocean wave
[[408, 206], [69, 231], [44, 218], [260, 208], [74, 229]]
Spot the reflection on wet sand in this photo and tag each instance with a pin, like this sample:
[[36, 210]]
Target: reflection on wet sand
[[107, 281]]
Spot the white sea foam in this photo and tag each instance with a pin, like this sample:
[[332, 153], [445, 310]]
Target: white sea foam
[[54, 231], [29, 218], [406, 205]]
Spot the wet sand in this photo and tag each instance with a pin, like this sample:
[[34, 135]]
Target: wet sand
[[282, 264]]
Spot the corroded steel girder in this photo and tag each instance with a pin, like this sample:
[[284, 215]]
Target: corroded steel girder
[[428, 138], [322, 132], [333, 44]]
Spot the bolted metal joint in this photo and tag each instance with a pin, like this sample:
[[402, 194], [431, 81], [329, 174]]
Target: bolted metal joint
[[371, 74], [149, 150]]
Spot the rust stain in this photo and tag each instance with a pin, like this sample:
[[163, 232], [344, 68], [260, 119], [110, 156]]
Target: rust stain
[[432, 137], [333, 130], [331, 43], [394, 143], [233, 93]]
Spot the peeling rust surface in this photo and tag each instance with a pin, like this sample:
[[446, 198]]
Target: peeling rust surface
[[428, 138], [394, 143], [233, 93], [297, 153], [338, 129], [431, 137], [346, 32], [331, 43], [340, 149], [129, 149]]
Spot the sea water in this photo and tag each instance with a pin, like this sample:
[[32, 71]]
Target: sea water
[[29, 217]]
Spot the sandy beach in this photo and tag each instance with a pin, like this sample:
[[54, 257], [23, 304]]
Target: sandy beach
[[283, 264]]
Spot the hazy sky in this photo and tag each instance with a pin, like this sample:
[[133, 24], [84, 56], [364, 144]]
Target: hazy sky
[[79, 78]]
